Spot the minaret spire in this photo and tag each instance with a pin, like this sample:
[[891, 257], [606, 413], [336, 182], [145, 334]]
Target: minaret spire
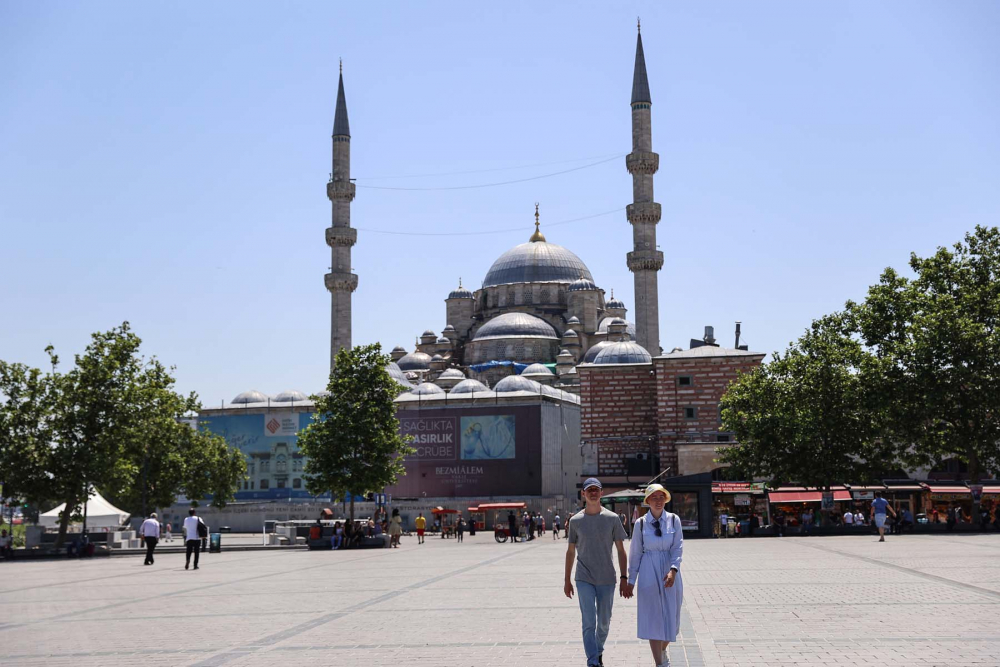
[[340, 236], [645, 260]]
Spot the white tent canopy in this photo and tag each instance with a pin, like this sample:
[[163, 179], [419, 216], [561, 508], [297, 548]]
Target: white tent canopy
[[100, 514]]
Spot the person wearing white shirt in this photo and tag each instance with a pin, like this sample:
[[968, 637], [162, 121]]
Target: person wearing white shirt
[[848, 518], [859, 518], [192, 541], [150, 532]]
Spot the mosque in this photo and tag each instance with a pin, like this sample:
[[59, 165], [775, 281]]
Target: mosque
[[538, 313]]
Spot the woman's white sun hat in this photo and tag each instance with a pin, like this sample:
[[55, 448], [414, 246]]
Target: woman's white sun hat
[[653, 488]]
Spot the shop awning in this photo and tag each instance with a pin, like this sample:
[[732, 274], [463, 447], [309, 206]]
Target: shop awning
[[871, 487], [949, 489], [994, 490], [904, 487], [805, 496], [484, 507]]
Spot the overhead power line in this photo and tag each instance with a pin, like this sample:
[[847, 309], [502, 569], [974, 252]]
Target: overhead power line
[[492, 231], [492, 185], [483, 171]]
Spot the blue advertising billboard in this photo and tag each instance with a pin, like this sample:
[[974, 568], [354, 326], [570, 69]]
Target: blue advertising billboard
[[269, 441]]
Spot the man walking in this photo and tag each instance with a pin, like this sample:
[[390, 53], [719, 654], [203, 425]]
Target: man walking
[[421, 524], [590, 533], [555, 527], [150, 532], [879, 507], [512, 525], [192, 539]]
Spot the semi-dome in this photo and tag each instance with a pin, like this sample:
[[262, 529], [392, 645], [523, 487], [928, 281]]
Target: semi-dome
[[520, 325], [396, 373], [536, 370], [517, 383], [536, 262], [593, 352], [252, 396], [426, 389], [290, 396], [468, 387], [623, 352], [602, 328], [415, 361], [583, 284]]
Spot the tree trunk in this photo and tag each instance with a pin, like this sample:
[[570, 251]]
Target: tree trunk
[[352, 508], [64, 522], [974, 475]]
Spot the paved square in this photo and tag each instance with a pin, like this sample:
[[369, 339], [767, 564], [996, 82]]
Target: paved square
[[915, 600]]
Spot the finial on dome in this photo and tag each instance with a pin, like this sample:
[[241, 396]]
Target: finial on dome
[[341, 65], [460, 281], [638, 23], [537, 236]]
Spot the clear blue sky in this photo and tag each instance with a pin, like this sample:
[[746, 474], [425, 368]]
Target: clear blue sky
[[165, 163]]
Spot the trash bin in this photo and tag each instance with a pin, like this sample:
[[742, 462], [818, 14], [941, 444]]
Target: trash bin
[[215, 543]]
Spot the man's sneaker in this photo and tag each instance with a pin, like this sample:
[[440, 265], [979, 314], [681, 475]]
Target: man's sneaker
[[187, 565], [600, 660], [196, 567]]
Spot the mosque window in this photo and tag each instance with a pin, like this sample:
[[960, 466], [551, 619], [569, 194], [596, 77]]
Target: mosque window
[[544, 296], [519, 350], [529, 297], [510, 296]]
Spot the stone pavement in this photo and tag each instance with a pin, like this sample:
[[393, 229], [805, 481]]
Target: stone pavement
[[914, 600]]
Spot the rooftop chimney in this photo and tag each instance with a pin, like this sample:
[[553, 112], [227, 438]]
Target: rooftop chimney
[[709, 335]]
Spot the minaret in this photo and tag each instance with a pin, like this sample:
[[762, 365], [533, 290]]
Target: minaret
[[645, 260], [340, 236]]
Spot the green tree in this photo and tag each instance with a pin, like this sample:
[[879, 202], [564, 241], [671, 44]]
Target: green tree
[[936, 337], [110, 422], [353, 443], [807, 415]]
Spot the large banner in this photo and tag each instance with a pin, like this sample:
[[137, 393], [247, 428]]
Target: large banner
[[471, 452]]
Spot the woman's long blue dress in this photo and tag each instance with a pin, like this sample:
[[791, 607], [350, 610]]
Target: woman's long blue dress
[[650, 559]]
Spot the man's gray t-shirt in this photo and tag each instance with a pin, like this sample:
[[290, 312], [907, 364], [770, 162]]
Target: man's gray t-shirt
[[594, 536]]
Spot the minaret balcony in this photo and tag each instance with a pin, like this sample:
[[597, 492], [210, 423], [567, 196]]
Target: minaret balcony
[[340, 191], [643, 212], [639, 162], [341, 282], [645, 260], [341, 237]]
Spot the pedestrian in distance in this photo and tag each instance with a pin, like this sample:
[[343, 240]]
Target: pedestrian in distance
[[338, 536], [169, 537], [591, 534], [754, 524], [555, 527], [654, 574], [421, 524], [395, 528], [531, 527], [459, 528], [879, 507], [194, 528], [512, 525], [149, 531]]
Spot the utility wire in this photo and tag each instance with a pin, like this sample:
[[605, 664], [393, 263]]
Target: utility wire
[[492, 185], [493, 231], [483, 171]]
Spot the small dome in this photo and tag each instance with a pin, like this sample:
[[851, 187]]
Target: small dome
[[468, 387], [442, 339], [252, 396], [414, 361], [565, 353], [536, 369], [426, 389], [520, 325], [452, 373], [290, 397], [569, 333], [573, 321], [449, 328], [322, 394], [399, 348], [517, 383], [592, 352], [437, 357], [582, 285], [623, 352], [614, 304], [602, 328], [460, 293], [428, 333], [617, 320]]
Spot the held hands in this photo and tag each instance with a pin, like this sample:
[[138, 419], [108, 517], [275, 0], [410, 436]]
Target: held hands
[[625, 589], [668, 581], [568, 589]]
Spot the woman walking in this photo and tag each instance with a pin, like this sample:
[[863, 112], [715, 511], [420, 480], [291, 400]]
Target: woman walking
[[655, 561], [395, 528]]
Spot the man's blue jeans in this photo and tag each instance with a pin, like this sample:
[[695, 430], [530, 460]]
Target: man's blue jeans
[[595, 607]]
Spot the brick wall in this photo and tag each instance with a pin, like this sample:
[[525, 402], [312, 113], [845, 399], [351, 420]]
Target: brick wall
[[618, 413]]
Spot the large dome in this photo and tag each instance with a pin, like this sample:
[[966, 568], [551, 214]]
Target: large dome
[[536, 262], [519, 325]]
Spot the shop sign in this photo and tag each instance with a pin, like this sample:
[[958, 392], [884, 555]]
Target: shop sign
[[827, 502], [742, 499], [950, 496], [864, 495], [977, 492], [757, 487]]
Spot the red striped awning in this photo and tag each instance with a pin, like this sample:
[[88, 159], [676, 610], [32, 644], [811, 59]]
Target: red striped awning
[[949, 489], [804, 496], [995, 490]]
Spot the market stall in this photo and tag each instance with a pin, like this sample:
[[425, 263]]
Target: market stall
[[793, 501], [738, 501]]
